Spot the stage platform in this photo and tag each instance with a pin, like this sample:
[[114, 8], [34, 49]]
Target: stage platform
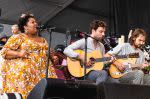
[[82, 89]]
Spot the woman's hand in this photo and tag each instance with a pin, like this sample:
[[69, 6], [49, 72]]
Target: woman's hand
[[22, 53], [11, 54]]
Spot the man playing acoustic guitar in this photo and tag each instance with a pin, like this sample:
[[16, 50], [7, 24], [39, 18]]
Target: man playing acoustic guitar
[[95, 50], [129, 70]]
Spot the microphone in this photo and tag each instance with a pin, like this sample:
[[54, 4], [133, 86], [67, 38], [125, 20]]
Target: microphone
[[44, 27], [107, 43], [81, 34], [146, 48]]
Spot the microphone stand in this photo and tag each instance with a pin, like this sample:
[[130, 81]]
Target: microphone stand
[[49, 30], [67, 34], [85, 54], [107, 44]]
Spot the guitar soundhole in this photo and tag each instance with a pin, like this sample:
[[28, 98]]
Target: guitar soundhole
[[92, 60]]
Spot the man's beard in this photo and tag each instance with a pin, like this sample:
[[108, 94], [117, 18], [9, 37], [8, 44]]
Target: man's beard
[[138, 46], [99, 39]]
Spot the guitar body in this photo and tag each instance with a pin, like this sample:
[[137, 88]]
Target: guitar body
[[115, 72], [77, 70]]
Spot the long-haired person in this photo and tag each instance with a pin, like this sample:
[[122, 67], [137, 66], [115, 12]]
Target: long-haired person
[[25, 58], [136, 41]]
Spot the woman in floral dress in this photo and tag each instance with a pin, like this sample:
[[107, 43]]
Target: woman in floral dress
[[25, 58]]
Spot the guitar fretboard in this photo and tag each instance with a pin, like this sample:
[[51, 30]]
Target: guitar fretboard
[[117, 57]]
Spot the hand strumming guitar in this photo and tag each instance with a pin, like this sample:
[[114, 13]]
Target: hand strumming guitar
[[119, 65], [82, 59]]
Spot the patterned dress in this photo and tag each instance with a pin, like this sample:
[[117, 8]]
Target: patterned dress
[[22, 74]]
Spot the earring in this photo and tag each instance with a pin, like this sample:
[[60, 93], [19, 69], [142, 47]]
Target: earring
[[26, 31]]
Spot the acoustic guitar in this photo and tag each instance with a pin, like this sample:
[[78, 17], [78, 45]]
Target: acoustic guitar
[[76, 67], [129, 65]]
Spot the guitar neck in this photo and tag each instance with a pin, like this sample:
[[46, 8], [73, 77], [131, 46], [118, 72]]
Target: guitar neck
[[103, 59], [121, 56], [109, 58]]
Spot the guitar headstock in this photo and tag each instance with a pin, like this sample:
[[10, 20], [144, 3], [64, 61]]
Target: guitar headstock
[[133, 55]]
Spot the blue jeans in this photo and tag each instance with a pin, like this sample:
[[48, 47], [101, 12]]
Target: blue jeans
[[97, 76]]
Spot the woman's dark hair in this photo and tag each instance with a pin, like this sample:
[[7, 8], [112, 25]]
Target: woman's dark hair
[[136, 34], [3, 36], [24, 18], [95, 24], [58, 54], [59, 48]]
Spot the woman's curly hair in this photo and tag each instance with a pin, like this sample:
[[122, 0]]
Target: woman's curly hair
[[24, 18]]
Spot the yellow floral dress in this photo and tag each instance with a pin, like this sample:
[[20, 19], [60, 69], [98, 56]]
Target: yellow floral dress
[[22, 74]]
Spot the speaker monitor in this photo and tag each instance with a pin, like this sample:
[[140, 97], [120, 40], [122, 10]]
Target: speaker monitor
[[123, 91], [62, 89]]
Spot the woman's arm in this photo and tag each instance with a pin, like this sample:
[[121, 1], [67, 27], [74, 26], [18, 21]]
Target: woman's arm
[[12, 49], [11, 54]]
